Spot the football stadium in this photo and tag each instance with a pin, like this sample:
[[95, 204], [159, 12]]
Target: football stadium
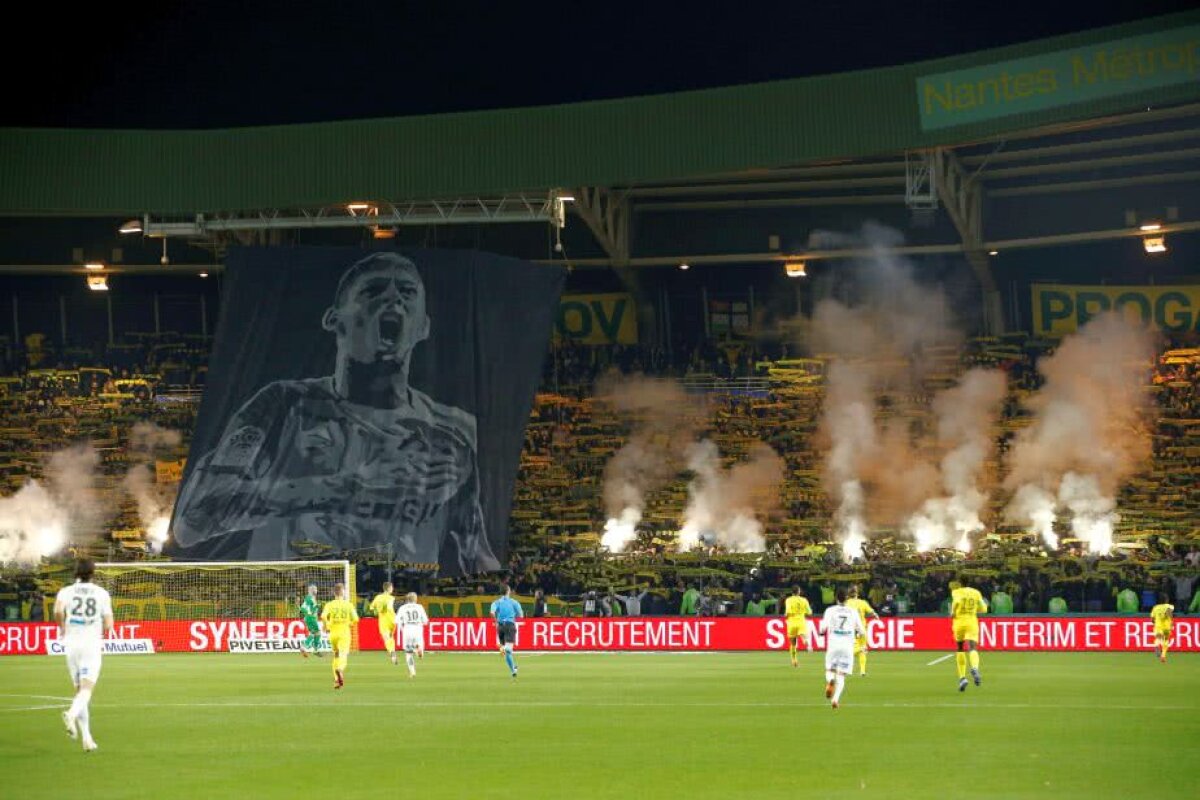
[[833, 434]]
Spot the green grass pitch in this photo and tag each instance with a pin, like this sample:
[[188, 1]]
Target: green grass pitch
[[607, 726]]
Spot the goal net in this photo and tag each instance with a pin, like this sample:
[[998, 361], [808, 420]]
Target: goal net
[[202, 605]]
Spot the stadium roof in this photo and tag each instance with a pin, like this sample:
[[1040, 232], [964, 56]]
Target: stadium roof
[[633, 142]]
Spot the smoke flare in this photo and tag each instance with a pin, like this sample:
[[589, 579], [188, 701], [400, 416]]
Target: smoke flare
[[966, 414], [664, 420], [724, 504], [880, 334], [1087, 436], [154, 502], [38, 520]]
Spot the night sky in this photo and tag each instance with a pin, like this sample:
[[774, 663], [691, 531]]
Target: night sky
[[219, 64]]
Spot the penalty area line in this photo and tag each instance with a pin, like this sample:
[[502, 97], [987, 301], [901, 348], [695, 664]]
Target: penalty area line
[[940, 660]]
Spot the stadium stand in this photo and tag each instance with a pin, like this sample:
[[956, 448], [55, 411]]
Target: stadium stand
[[51, 400]]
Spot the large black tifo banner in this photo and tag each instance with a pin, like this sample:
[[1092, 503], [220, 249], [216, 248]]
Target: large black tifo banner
[[357, 399]]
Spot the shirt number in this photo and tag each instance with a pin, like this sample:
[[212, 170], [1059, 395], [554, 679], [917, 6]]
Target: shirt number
[[87, 609]]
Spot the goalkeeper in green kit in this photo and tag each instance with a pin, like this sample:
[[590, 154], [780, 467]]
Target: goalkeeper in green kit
[[310, 610]]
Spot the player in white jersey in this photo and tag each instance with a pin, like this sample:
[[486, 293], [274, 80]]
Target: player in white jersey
[[840, 625], [411, 620], [84, 614]]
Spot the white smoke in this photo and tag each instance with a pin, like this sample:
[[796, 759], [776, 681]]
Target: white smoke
[[154, 502], [620, 531], [664, 419], [724, 504], [850, 423], [852, 529], [1088, 434], [1092, 511], [1034, 506], [32, 525], [966, 414], [40, 518], [879, 340], [149, 438], [71, 474]]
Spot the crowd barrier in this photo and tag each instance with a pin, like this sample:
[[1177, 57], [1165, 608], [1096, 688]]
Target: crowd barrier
[[642, 634]]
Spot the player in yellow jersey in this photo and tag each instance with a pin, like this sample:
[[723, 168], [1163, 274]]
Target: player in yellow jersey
[[860, 642], [797, 610], [384, 609], [336, 618], [1163, 615], [966, 604]]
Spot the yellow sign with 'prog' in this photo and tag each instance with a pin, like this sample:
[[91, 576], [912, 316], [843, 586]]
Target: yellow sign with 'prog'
[[1059, 310]]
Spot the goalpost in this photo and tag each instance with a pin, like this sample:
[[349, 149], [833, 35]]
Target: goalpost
[[219, 590]]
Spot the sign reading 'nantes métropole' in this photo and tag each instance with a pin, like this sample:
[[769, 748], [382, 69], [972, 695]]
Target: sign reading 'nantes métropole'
[[1059, 310], [1060, 78]]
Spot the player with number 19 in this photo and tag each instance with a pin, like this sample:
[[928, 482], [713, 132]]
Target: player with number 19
[[841, 624], [966, 604]]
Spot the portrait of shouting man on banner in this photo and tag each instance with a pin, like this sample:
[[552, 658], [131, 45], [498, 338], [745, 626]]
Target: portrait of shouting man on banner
[[357, 459]]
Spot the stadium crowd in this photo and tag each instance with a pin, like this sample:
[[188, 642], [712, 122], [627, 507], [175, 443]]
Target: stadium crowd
[[51, 400]]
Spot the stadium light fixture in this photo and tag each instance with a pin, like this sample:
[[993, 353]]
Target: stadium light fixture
[[1155, 244], [132, 226], [380, 232], [97, 283], [93, 266], [993, 252], [558, 214], [1150, 227], [796, 269], [357, 208], [685, 266], [203, 274]]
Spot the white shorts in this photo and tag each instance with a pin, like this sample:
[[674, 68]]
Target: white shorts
[[412, 638], [840, 659], [83, 661]]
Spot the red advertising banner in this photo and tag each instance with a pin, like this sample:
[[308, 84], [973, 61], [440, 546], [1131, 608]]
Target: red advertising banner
[[651, 634]]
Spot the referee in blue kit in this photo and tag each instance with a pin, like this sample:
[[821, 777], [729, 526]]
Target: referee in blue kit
[[505, 611]]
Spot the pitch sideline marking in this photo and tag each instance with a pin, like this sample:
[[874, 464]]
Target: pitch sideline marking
[[574, 704], [63, 701], [34, 708], [940, 660]]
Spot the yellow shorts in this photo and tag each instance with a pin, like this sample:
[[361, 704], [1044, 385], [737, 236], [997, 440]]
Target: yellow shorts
[[860, 645], [1162, 634], [339, 643], [966, 630], [387, 630], [797, 628]]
